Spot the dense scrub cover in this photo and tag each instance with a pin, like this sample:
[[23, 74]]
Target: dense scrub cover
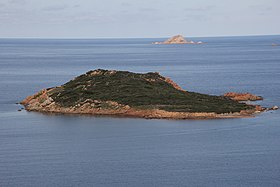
[[145, 91]]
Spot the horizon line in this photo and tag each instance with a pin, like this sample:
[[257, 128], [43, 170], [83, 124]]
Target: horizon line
[[96, 38]]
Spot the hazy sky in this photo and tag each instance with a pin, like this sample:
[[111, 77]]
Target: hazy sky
[[137, 18]]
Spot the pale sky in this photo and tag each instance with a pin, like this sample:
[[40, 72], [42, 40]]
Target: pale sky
[[137, 18]]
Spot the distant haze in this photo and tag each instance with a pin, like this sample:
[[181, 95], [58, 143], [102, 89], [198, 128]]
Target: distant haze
[[135, 18]]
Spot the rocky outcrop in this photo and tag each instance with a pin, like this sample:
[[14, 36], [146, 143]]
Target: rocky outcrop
[[274, 108], [171, 82], [243, 96], [178, 39]]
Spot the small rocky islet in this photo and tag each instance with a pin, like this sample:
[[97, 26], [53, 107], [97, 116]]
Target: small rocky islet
[[178, 39], [123, 93]]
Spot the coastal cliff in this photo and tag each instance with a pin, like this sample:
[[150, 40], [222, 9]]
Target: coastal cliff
[[123, 93]]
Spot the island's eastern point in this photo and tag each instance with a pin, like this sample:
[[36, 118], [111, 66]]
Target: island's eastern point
[[123, 93]]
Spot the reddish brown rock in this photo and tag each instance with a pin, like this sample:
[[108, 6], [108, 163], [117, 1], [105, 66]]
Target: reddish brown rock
[[259, 108], [242, 96], [178, 39], [175, 85]]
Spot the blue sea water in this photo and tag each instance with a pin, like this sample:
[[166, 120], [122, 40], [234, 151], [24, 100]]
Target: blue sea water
[[57, 150]]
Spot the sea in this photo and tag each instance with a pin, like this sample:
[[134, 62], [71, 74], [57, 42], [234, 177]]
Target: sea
[[61, 150]]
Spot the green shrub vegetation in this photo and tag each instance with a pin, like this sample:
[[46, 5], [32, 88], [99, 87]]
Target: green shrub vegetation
[[144, 91]]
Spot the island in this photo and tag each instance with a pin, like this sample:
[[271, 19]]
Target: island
[[144, 95], [178, 39]]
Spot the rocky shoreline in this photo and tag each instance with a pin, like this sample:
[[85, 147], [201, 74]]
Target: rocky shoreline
[[44, 103]]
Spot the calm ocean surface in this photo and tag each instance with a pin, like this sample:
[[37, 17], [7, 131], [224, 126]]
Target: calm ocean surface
[[42, 150]]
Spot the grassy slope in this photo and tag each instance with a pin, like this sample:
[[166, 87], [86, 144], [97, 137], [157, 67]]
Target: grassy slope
[[134, 90]]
